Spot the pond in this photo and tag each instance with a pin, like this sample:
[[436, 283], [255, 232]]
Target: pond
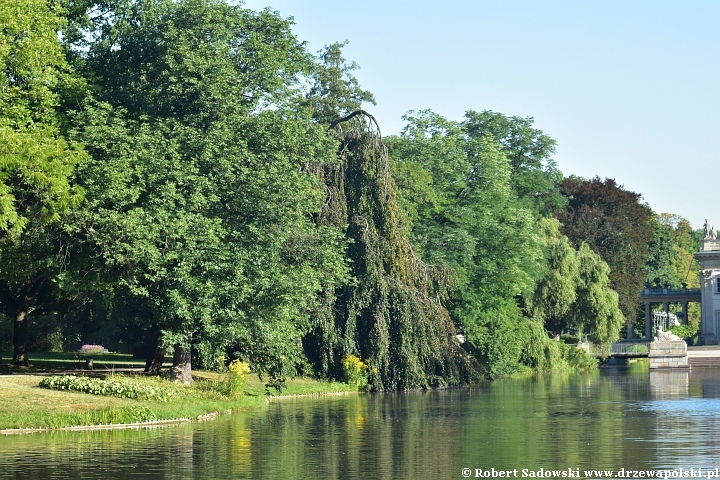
[[620, 422]]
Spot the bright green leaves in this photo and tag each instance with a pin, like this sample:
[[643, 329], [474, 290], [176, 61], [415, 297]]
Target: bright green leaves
[[574, 291], [596, 308], [34, 168], [535, 176], [32, 62], [470, 219], [34, 160], [197, 60], [555, 291], [476, 192], [200, 196]]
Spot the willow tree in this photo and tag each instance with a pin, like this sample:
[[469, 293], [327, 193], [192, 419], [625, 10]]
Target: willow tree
[[392, 314], [574, 291]]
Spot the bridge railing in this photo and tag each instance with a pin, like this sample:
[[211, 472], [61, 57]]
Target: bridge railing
[[669, 291], [628, 348]]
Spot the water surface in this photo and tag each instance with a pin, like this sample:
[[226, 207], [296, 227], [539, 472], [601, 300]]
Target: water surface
[[614, 419]]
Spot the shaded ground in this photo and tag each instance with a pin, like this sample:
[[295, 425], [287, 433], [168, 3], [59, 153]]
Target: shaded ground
[[66, 362]]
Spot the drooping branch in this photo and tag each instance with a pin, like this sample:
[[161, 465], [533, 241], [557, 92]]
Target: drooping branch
[[355, 114], [392, 313]]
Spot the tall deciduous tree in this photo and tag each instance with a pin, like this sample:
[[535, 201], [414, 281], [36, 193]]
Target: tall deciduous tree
[[596, 308], [335, 91], [30, 267], [472, 221], [35, 159], [683, 265], [198, 193], [662, 255], [535, 176], [556, 290], [616, 225], [392, 313], [574, 292]]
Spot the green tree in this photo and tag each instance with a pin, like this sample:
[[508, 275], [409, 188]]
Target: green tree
[[392, 313], [35, 159], [472, 221], [535, 176], [662, 256], [556, 290], [684, 266], [574, 291], [616, 225], [199, 199], [29, 269], [596, 308], [335, 92]]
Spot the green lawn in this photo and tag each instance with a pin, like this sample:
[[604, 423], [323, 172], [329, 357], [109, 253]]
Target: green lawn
[[23, 404]]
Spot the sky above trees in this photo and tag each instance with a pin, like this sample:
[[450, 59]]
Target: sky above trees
[[627, 89]]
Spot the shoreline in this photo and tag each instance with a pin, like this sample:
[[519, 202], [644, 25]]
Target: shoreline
[[170, 422]]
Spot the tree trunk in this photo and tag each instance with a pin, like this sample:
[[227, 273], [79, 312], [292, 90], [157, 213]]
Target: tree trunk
[[20, 340], [28, 304], [156, 358], [181, 371]]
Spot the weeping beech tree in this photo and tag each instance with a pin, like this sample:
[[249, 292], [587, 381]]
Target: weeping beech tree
[[392, 313]]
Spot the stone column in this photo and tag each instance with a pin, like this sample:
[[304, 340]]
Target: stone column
[[707, 318], [648, 321]]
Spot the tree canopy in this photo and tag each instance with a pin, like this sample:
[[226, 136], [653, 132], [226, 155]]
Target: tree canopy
[[197, 194], [616, 225], [184, 175], [35, 159]]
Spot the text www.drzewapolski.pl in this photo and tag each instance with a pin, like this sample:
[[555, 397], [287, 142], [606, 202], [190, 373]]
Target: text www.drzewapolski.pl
[[702, 472]]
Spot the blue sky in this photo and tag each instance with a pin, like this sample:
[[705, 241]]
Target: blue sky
[[628, 89]]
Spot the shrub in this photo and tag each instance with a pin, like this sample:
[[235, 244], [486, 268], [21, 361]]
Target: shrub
[[355, 371], [121, 387], [237, 376], [682, 331], [579, 359], [228, 384], [90, 350]]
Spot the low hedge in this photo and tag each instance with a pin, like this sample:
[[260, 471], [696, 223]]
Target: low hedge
[[117, 386]]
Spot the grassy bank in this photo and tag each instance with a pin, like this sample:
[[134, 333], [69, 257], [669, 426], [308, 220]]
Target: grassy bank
[[24, 405]]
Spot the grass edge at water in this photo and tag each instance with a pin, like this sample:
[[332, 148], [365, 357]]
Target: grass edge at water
[[26, 406]]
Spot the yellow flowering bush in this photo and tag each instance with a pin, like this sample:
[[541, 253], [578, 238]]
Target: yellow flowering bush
[[238, 372], [355, 371]]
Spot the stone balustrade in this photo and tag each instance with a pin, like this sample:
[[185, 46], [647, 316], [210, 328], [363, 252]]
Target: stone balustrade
[[668, 354]]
